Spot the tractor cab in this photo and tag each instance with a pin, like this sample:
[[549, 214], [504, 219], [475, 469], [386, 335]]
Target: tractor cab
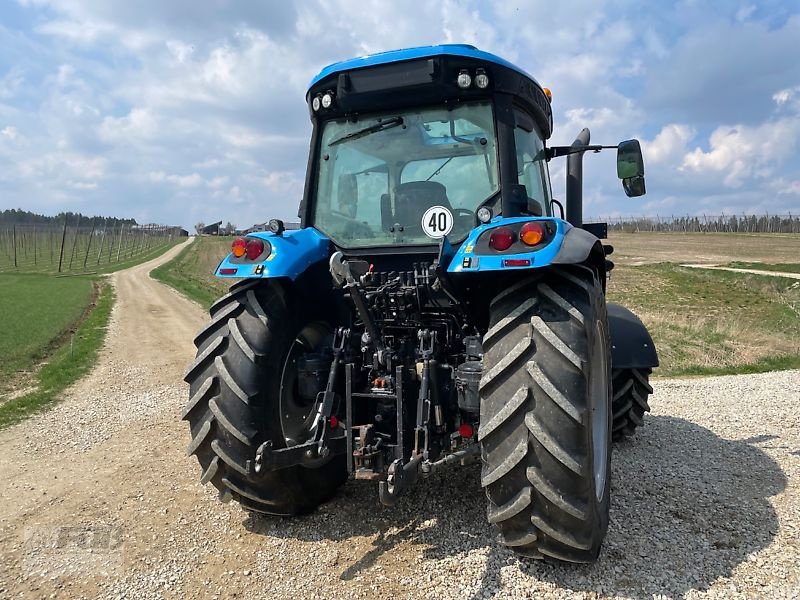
[[413, 145]]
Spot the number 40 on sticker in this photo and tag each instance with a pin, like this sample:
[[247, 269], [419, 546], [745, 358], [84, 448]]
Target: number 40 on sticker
[[437, 222]]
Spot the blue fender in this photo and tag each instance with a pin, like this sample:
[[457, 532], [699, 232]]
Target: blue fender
[[292, 253], [569, 245]]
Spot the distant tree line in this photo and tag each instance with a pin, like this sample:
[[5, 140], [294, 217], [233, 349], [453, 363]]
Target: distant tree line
[[706, 223], [16, 216]]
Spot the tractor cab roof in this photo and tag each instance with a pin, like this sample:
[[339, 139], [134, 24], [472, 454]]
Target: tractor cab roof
[[445, 74], [395, 56]]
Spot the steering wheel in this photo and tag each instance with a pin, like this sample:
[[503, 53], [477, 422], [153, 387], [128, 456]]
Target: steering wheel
[[463, 214], [358, 229]]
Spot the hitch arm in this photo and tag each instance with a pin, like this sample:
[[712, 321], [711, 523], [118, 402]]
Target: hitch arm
[[325, 399], [343, 276]]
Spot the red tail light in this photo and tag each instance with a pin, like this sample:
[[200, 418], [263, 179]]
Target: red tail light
[[501, 238], [238, 247], [254, 249]]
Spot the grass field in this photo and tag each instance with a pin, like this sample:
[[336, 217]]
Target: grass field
[[66, 364], [702, 321], [192, 271], [38, 312], [713, 322], [53, 328], [709, 248]]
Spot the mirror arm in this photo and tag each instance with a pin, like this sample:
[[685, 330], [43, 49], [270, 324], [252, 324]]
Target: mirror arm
[[556, 151]]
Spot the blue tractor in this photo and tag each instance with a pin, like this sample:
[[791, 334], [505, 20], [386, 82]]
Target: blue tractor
[[436, 306]]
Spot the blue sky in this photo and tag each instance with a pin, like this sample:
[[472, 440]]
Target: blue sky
[[183, 111]]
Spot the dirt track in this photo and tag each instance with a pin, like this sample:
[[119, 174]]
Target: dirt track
[[705, 498]]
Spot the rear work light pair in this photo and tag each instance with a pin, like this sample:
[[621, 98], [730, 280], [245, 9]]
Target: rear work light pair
[[465, 79], [251, 249], [531, 234]]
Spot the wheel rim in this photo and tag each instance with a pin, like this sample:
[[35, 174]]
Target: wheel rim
[[297, 414], [599, 392]]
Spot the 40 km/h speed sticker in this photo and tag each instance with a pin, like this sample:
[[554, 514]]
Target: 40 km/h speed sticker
[[437, 222]]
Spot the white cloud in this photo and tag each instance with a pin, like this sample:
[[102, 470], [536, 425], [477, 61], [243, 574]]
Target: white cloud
[[792, 187], [669, 146], [138, 123], [9, 132], [82, 185], [181, 51], [183, 181], [11, 82], [740, 152], [745, 12]]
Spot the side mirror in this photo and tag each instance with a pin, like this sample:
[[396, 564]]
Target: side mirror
[[630, 168]]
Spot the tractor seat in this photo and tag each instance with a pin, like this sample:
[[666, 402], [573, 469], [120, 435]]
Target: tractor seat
[[412, 199]]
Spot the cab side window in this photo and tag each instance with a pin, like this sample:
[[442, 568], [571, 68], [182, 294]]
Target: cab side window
[[531, 162]]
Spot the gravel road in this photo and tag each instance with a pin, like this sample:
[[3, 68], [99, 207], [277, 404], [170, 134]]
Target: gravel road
[[705, 499]]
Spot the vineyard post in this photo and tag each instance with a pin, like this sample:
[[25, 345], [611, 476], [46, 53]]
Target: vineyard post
[[63, 239], [74, 243], [119, 247], [14, 241], [102, 240], [89, 244]]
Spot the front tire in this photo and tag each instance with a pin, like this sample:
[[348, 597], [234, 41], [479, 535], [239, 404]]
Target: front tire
[[235, 402], [545, 416], [631, 389]]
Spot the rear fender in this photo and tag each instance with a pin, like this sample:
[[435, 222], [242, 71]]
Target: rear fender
[[569, 245], [292, 253], [631, 344]]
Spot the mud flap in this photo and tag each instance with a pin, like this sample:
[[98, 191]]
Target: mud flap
[[631, 344]]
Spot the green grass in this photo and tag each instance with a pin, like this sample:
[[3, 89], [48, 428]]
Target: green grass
[[53, 329], [38, 311], [68, 364], [192, 271], [708, 322], [780, 267]]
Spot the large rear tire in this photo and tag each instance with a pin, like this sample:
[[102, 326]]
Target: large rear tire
[[235, 387], [545, 416], [631, 388]]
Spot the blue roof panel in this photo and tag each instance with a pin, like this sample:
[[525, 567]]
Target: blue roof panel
[[392, 56]]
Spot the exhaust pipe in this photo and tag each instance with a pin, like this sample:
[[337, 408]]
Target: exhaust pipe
[[575, 180]]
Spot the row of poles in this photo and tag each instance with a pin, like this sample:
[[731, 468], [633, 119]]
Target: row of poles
[[111, 242]]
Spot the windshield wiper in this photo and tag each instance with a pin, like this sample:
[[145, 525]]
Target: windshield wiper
[[387, 124]]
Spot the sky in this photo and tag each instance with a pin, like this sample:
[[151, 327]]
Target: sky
[[179, 111]]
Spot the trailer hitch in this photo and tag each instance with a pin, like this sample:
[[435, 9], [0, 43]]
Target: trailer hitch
[[401, 477]]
